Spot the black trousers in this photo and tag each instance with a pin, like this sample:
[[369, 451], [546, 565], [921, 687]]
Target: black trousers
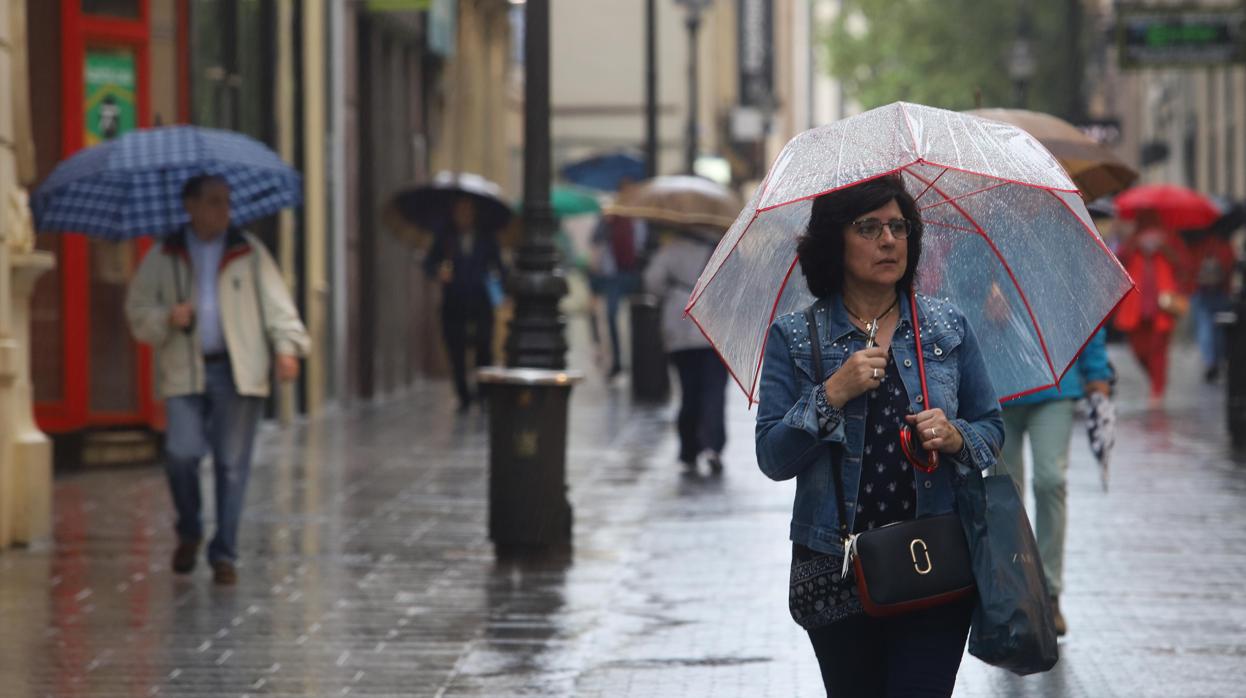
[[702, 387], [912, 655], [463, 324]]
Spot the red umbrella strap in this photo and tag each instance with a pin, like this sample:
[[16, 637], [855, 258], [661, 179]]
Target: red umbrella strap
[[906, 434]]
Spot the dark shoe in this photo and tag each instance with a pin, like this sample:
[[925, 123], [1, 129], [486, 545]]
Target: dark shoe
[[224, 573], [185, 556], [715, 461], [1061, 627], [690, 467], [1211, 375]]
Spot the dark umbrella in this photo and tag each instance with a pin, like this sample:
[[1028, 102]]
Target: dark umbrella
[[428, 205], [606, 171], [1232, 217]]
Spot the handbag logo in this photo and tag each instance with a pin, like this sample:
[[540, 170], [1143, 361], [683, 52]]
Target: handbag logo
[[925, 552]]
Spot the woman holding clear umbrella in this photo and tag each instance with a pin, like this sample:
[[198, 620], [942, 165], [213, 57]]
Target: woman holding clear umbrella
[[859, 256]]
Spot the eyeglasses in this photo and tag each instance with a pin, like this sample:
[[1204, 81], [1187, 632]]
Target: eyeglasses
[[872, 228]]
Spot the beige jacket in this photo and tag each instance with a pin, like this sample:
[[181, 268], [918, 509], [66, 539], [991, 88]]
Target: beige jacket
[[166, 278]]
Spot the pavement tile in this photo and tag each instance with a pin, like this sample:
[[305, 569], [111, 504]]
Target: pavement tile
[[367, 570]]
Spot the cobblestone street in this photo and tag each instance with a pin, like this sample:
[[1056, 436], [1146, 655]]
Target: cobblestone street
[[366, 570]]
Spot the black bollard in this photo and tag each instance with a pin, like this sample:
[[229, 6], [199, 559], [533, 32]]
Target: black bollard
[[651, 380], [528, 507], [1234, 324]]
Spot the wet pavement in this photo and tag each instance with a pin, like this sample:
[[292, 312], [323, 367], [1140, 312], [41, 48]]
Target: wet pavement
[[366, 570]]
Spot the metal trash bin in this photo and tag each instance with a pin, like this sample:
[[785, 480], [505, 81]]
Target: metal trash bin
[[528, 504], [1234, 324], [651, 380]]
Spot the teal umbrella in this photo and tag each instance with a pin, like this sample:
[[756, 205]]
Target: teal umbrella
[[570, 201]]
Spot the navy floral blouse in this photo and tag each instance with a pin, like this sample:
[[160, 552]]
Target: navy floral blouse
[[818, 595]]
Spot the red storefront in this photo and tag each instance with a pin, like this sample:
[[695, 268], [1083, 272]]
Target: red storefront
[[88, 372]]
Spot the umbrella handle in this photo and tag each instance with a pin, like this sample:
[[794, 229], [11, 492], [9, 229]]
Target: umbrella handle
[[931, 462]]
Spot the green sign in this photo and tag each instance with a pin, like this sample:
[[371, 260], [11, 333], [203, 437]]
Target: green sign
[[398, 5], [109, 105], [1175, 36]]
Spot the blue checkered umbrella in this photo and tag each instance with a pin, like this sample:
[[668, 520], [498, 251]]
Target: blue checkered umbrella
[[132, 186]]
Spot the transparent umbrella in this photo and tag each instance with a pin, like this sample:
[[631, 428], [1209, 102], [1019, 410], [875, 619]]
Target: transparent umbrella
[[1008, 240]]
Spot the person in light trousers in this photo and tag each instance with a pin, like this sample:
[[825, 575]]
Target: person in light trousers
[[1047, 417], [212, 303]]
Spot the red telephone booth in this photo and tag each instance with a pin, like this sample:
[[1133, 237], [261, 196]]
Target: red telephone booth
[[88, 371]]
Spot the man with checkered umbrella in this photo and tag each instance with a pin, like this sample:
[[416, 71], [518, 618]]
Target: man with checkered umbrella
[[212, 303]]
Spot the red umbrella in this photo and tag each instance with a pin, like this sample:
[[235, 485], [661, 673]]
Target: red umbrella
[[1180, 208]]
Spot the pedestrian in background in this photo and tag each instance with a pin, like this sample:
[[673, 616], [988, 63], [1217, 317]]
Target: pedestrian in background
[[467, 261], [1047, 417], [621, 245], [1212, 262], [212, 303], [859, 257], [1154, 257], [671, 275]]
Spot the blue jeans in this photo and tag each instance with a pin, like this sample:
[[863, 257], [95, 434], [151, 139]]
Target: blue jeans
[[1204, 305], [221, 423], [615, 288]]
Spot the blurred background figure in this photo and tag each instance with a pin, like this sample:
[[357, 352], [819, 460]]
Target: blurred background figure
[[671, 275], [466, 259], [617, 244], [619, 249], [1154, 257], [1212, 262], [1047, 418]]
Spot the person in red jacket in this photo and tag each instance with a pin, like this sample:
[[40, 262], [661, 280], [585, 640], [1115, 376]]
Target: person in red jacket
[[1155, 258]]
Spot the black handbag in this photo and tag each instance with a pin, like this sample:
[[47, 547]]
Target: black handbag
[[908, 565]]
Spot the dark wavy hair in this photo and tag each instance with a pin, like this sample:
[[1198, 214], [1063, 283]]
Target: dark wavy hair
[[821, 249], [195, 185]]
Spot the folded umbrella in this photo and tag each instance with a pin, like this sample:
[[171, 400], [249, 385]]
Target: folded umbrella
[[132, 186], [1007, 239], [1101, 430], [1096, 170]]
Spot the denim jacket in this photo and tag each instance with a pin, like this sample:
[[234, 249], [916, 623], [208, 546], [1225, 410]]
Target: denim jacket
[[792, 443]]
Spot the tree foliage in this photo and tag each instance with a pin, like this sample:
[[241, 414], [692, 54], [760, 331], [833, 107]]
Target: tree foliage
[[942, 52]]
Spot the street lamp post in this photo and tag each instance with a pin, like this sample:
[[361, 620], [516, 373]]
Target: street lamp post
[[694, 9], [536, 338], [1022, 63], [651, 88], [528, 506]]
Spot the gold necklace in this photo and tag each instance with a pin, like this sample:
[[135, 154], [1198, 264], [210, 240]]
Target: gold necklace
[[871, 326]]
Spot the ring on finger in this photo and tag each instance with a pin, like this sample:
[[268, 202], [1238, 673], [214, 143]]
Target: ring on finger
[[874, 373], [934, 433]]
